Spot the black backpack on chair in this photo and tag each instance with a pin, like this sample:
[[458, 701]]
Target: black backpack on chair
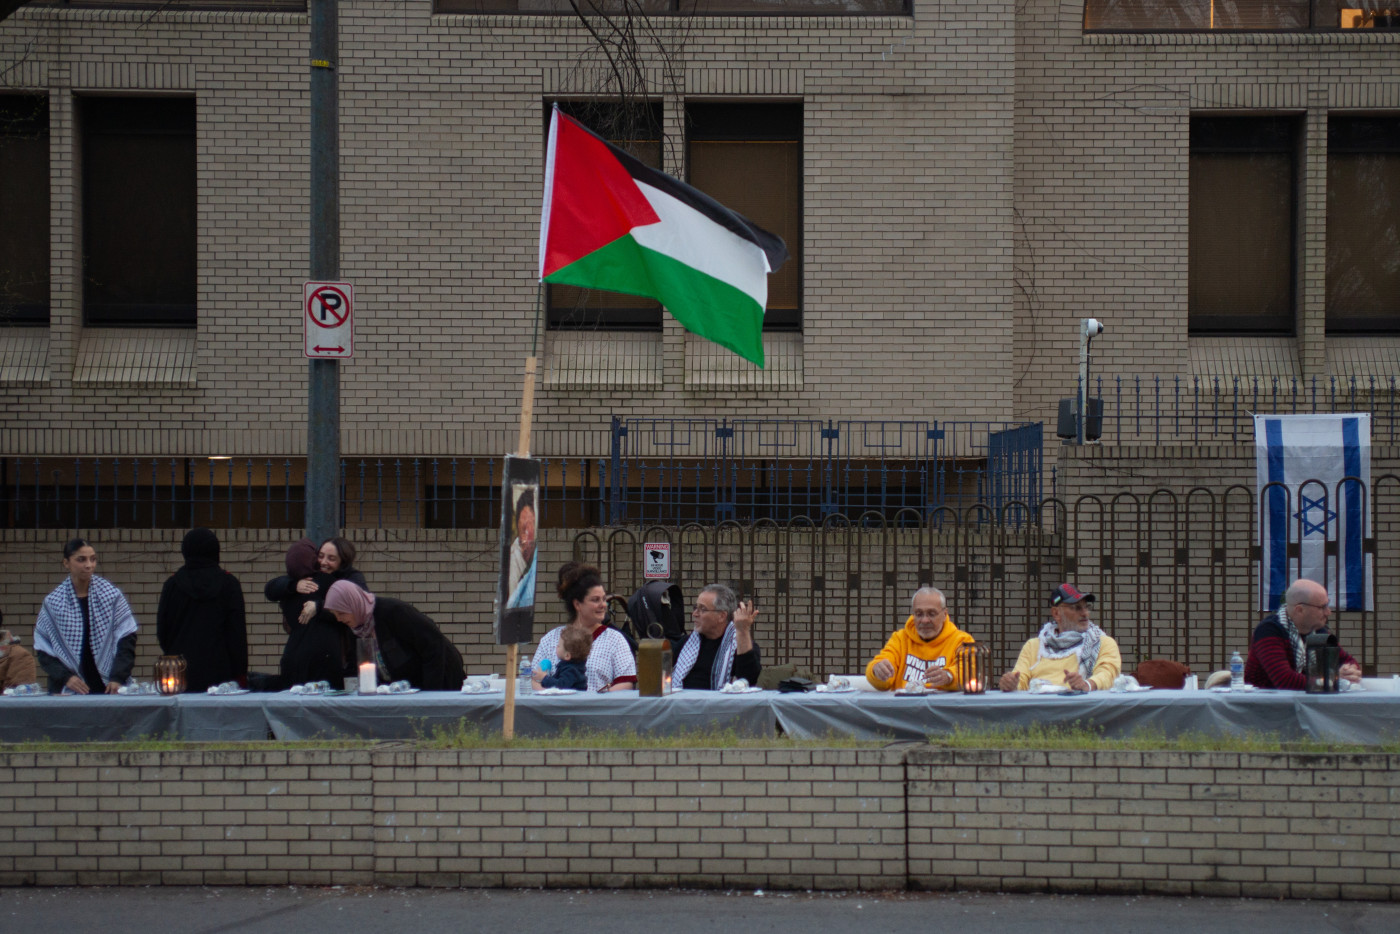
[[657, 608]]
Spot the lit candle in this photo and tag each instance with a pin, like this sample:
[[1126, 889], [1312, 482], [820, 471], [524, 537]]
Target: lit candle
[[366, 677], [973, 686]]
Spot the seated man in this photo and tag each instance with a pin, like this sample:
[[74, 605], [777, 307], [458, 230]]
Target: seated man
[[721, 646], [1069, 649], [1277, 654], [17, 665], [924, 650]]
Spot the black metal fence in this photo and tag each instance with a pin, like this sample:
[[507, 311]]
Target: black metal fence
[[1182, 409], [1176, 574]]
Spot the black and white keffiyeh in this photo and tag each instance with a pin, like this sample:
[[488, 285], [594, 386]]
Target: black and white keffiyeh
[[59, 629], [1061, 644], [724, 659], [1300, 651]]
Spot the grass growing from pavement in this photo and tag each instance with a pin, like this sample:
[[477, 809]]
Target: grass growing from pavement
[[464, 735], [1082, 738]]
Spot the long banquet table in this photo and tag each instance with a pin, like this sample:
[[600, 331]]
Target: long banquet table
[[1361, 717]]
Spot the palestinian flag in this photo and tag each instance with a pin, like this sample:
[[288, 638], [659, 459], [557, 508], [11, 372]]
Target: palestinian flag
[[610, 222]]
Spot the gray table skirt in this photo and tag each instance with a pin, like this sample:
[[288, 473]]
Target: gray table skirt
[[1359, 717], [1362, 717], [208, 718]]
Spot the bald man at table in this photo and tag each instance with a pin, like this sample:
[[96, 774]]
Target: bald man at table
[[925, 649]]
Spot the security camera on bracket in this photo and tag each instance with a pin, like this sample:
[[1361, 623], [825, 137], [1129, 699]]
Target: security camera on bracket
[[1070, 427]]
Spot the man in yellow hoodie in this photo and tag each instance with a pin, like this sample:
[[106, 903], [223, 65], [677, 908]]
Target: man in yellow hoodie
[[925, 648]]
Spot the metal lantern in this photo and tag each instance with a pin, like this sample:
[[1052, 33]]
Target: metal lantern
[[1324, 661], [170, 674], [973, 661], [653, 667]]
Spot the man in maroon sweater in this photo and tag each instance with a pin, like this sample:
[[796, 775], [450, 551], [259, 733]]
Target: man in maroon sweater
[[1276, 655]]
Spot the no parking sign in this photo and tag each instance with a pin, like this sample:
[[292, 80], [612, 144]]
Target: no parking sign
[[327, 319]]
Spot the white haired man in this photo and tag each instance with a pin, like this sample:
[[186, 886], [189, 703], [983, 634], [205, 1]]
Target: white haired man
[[721, 646], [924, 650]]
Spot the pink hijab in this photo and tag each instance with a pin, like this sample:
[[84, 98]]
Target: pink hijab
[[345, 597]]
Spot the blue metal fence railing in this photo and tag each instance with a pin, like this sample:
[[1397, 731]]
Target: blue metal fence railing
[[673, 471]]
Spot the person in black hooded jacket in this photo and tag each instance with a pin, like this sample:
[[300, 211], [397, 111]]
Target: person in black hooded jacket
[[200, 616]]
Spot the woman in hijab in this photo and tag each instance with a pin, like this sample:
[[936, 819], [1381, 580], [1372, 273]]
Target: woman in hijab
[[318, 648], [408, 646], [200, 616], [85, 636]]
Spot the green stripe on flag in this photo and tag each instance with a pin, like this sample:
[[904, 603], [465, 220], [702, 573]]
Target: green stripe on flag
[[704, 305]]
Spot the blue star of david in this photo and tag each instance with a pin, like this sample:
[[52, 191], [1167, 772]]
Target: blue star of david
[[1309, 505]]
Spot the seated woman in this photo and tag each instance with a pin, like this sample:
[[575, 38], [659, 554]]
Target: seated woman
[[611, 664], [318, 648], [85, 636], [200, 616], [408, 646]]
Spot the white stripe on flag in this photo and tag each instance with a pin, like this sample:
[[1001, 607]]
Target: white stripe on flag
[[689, 237], [1301, 462]]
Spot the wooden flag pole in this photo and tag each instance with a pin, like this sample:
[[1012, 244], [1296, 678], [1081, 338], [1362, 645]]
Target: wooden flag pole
[[522, 448]]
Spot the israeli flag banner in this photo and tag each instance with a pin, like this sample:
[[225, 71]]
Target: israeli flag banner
[[1313, 481]]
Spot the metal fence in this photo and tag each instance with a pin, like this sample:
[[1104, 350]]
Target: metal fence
[[1181, 409], [1176, 574], [674, 471]]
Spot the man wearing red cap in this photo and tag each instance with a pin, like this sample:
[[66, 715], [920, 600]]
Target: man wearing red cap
[[1069, 649]]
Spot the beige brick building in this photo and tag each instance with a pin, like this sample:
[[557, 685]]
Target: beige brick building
[[969, 186]]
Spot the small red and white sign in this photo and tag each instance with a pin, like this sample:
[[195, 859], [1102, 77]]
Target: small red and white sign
[[656, 561], [328, 319]]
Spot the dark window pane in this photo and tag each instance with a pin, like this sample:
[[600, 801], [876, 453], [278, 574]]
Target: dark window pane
[[139, 211], [280, 6], [748, 157], [682, 7], [1202, 15], [635, 128], [1363, 225], [1242, 242], [24, 209]]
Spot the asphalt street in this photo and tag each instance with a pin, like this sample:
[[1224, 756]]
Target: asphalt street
[[348, 910]]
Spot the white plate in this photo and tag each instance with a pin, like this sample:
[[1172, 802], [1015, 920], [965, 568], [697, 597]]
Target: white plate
[[228, 693], [553, 692]]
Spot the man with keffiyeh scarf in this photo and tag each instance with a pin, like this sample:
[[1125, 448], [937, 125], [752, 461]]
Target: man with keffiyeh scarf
[[721, 646], [1069, 649], [1277, 655]]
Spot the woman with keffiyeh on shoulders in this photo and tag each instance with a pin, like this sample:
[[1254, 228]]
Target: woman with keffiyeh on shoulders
[[1069, 649], [85, 636]]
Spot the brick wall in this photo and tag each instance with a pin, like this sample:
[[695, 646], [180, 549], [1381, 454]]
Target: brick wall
[[1226, 824]]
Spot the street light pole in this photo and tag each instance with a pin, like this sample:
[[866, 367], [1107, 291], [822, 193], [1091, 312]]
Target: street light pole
[[323, 376]]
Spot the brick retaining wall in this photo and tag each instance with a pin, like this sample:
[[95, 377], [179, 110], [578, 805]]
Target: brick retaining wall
[[1275, 825]]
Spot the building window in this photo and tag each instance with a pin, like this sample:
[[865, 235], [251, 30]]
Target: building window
[[1363, 224], [24, 209], [637, 130], [622, 10], [1243, 245], [748, 157], [1211, 15], [139, 210]]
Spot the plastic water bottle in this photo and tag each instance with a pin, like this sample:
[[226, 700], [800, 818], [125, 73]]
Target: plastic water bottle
[[524, 685], [1236, 672]]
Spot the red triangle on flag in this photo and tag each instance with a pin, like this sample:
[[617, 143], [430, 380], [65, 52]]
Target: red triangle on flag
[[592, 198]]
